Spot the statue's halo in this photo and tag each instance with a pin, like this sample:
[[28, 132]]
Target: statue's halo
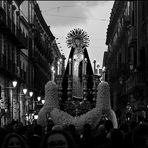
[[77, 34]]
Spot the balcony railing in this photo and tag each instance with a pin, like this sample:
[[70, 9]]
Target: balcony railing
[[132, 38], [136, 79], [8, 27], [2, 18], [8, 66]]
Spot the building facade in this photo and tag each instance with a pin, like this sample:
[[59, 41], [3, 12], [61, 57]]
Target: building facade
[[26, 55], [126, 59]]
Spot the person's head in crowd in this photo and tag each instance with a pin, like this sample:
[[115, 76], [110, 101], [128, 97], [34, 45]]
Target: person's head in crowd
[[140, 136], [13, 140], [133, 125], [38, 130], [57, 127], [116, 137], [87, 127], [3, 133], [72, 127], [100, 129], [124, 128], [58, 139], [108, 125]]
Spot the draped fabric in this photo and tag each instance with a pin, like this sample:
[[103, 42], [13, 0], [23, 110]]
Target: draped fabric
[[77, 73], [77, 85]]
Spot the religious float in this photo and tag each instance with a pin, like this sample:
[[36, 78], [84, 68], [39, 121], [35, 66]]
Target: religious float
[[78, 97]]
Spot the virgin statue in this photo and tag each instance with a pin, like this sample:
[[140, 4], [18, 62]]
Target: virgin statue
[[78, 64], [78, 57]]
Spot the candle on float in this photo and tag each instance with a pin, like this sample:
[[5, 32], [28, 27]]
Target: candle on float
[[53, 71], [53, 75], [85, 65], [94, 66], [58, 70], [83, 70], [70, 66], [60, 67]]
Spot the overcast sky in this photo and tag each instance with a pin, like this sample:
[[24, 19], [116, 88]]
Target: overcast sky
[[91, 16]]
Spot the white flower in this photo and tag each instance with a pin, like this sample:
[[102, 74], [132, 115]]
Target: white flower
[[103, 96], [51, 101], [92, 117]]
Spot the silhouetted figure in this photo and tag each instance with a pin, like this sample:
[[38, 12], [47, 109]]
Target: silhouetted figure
[[108, 126], [116, 138], [100, 140], [74, 133], [58, 138], [3, 133], [86, 140], [13, 140], [140, 136], [35, 139]]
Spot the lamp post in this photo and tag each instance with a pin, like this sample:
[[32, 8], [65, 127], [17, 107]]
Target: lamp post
[[25, 91], [53, 73], [28, 105], [31, 93], [39, 99], [24, 94], [14, 84], [43, 101]]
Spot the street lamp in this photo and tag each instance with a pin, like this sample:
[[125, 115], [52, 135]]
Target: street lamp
[[25, 91], [35, 116], [31, 93], [39, 98], [43, 101], [131, 66], [28, 105], [14, 84]]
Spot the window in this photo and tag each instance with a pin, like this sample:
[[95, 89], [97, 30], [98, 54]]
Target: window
[[0, 3]]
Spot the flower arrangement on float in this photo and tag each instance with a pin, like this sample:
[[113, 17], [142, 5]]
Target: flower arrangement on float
[[92, 117], [51, 102]]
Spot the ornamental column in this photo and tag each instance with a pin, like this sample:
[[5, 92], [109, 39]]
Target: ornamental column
[[69, 89]]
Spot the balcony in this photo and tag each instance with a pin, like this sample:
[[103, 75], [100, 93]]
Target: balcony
[[127, 20], [14, 33], [7, 66], [2, 18], [21, 39], [123, 70], [132, 38], [40, 60], [42, 45], [136, 79]]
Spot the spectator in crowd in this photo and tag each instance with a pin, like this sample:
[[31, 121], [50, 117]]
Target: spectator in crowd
[[116, 138], [140, 136], [57, 139], [86, 139], [72, 130], [100, 138], [35, 139], [3, 133], [13, 140]]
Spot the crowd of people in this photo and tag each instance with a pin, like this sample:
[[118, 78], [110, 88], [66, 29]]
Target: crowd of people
[[16, 135]]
